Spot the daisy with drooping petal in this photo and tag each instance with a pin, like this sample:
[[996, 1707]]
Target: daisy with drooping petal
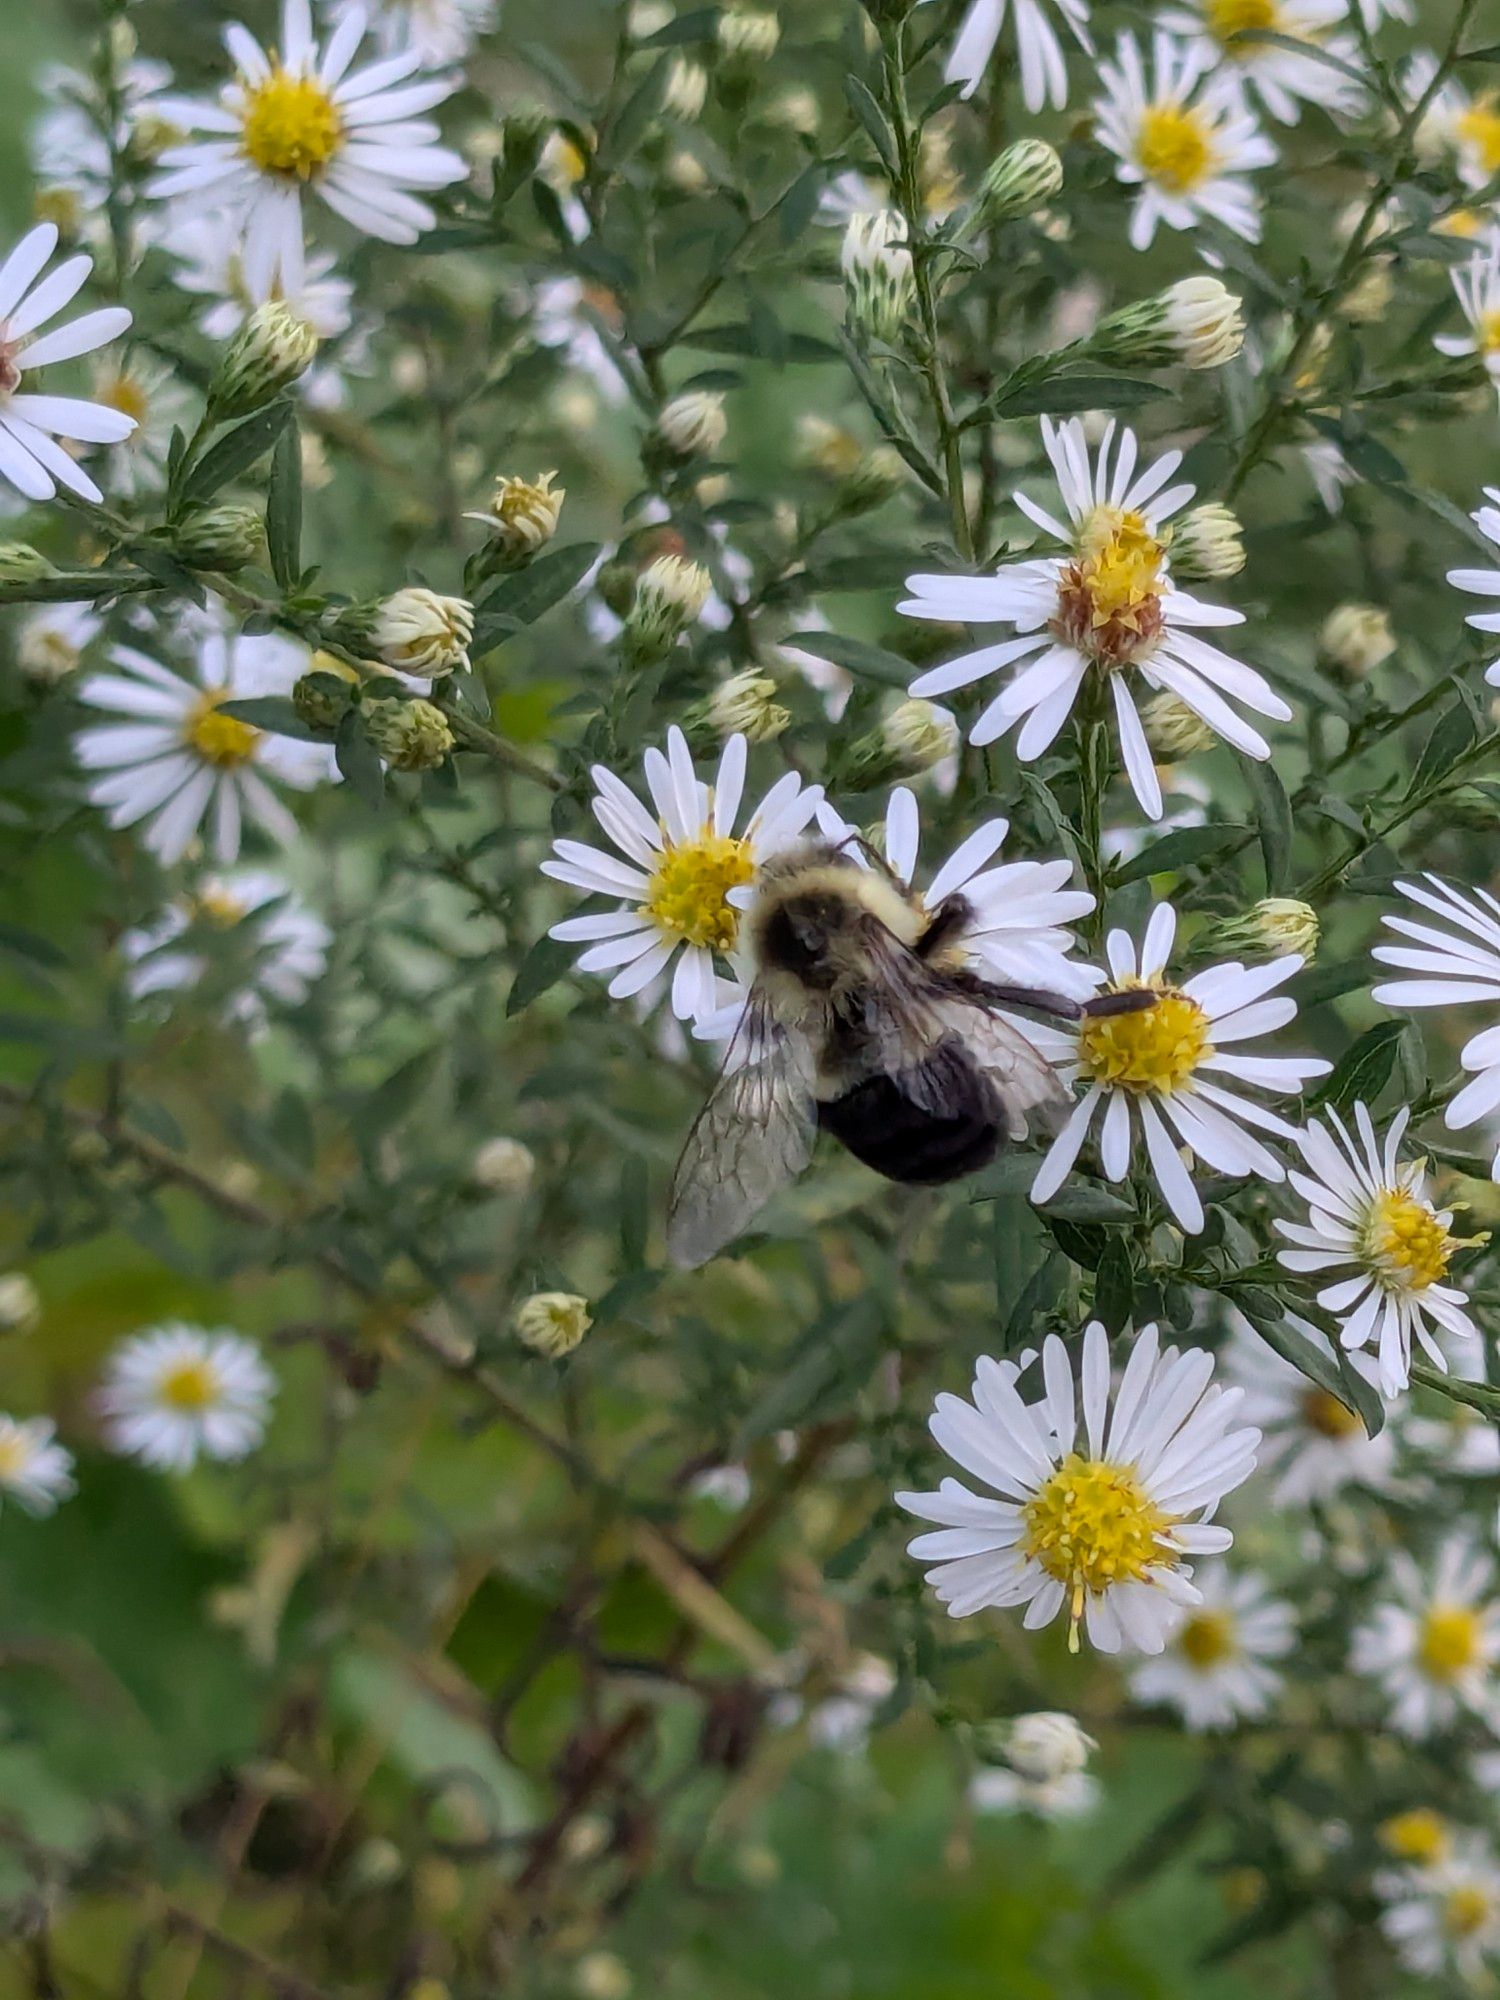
[[1018, 930], [1100, 1509], [31, 459], [179, 1393], [35, 1471], [1039, 53], [1160, 1075], [676, 885], [1455, 966], [1107, 607], [1371, 1217], [170, 756], [1484, 582], [1283, 79], [442, 31], [1184, 138], [1477, 287], [1214, 1669], [299, 120], [279, 945], [1444, 1919], [1434, 1640], [1314, 1444]]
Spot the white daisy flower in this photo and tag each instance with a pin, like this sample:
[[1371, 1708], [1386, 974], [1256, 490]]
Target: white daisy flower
[[1472, 127], [1106, 607], [35, 1471], [1215, 1668], [1072, 1796], [567, 314], [442, 31], [1184, 137], [169, 756], [1100, 1510], [1433, 1641], [1445, 1919], [1456, 966], [31, 459], [1372, 1218], [1160, 1075], [1330, 472], [1020, 910], [1282, 79], [156, 403], [1314, 1444], [298, 121], [279, 945], [73, 146], [1484, 582], [675, 887], [211, 264], [180, 1392], [1477, 287], [1039, 53], [53, 639]]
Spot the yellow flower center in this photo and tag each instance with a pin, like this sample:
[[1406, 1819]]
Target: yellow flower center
[[1487, 331], [1091, 1525], [1227, 18], [690, 889], [1479, 129], [216, 906], [1176, 147], [1404, 1241], [124, 393], [1463, 222], [1466, 1909], [1324, 1413], [290, 124], [190, 1385], [1154, 1051], [218, 739], [61, 205], [15, 1456], [1450, 1640], [1109, 597], [1420, 1835], [1208, 1639]]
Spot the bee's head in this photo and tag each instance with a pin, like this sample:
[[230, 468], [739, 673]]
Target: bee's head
[[806, 913]]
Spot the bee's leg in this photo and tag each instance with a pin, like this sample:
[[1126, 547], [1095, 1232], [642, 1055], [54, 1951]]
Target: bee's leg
[[1133, 1001], [949, 920], [1036, 999]]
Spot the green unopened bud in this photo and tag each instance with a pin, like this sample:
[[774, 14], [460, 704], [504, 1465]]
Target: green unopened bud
[[912, 737], [669, 597], [322, 695], [750, 34], [267, 355], [1023, 179], [1206, 542], [879, 278], [1272, 928], [418, 632], [552, 1323], [692, 425], [1357, 638], [20, 563], [1196, 322], [1173, 730], [409, 735], [744, 705], [522, 516], [219, 538]]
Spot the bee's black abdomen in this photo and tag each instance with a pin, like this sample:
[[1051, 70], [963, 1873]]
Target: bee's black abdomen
[[880, 1125]]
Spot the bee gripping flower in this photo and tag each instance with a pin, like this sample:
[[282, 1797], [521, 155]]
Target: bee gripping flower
[[1102, 1497]]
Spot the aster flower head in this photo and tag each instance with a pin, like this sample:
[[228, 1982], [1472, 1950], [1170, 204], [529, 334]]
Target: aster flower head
[[180, 1393], [1185, 138], [1444, 1919], [281, 944], [35, 1471], [169, 755], [299, 120], [209, 262], [1314, 1444], [441, 31], [1371, 1218], [1484, 582], [1434, 1639], [1216, 1667], [1106, 609], [1282, 79], [1104, 1498], [687, 865], [1161, 1075], [1456, 962], [1020, 911], [1477, 288], [1039, 53]]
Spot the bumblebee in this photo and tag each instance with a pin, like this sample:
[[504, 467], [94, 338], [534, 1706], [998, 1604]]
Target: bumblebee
[[865, 1019]]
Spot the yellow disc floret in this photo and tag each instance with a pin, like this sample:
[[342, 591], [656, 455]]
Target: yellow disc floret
[[1419, 1835], [190, 1385], [1175, 147], [1153, 1052], [1227, 18], [1109, 597], [1467, 1909], [1478, 129], [1450, 1642], [1487, 331], [689, 895], [290, 124], [217, 738], [1207, 1639], [1405, 1241], [1324, 1413], [1092, 1525]]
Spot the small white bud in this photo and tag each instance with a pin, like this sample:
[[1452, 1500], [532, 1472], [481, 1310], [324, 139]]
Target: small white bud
[[418, 632], [1173, 730], [1046, 1746], [51, 641], [879, 277], [1271, 928], [270, 351], [1197, 322], [20, 1303], [746, 705], [751, 33], [669, 596], [918, 735], [1357, 638], [693, 425], [503, 1166], [523, 514], [1023, 179], [409, 735], [601, 1976], [686, 89], [552, 1323], [1206, 542]]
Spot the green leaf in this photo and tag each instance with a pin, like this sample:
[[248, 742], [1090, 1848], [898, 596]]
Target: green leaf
[[1324, 1370], [1179, 850], [875, 123], [1452, 734], [276, 713], [542, 967], [837, 1352], [1057, 395], [1040, 1289], [1364, 1069], [1473, 1395], [284, 508], [1114, 1286], [741, 337], [519, 600], [237, 450], [1273, 813], [857, 656], [355, 756]]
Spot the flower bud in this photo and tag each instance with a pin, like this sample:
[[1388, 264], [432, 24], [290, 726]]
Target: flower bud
[[20, 1305], [1042, 1747], [879, 278], [686, 89], [649, 17], [874, 477], [219, 538], [748, 33], [1173, 730], [601, 1976], [20, 563], [1197, 322], [692, 425], [911, 738], [409, 735], [669, 597], [418, 632], [795, 109], [1023, 179], [744, 705], [267, 355], [323, 694], [552, 1323], [1357, 638], [1205, 542], [503, 1166], [522, 516], [1270, 929]]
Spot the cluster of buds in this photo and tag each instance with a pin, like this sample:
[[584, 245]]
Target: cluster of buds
[[879, 277], [692, 425], [552, 1323], [669, 596], [1270, 928], [1357, 638], [408, 735], [1024, 178], [271, 350], [1207, 542], [520, 519], [1198, 322], [912, 737]]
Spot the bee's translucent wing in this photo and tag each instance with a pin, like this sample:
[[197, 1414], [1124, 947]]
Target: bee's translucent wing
[[754, 1134]]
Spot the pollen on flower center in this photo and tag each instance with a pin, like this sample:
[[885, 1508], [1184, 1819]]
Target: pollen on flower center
[[1092, 1525], [219, 739], [1207, 1639], [1109, 597], [1156, 1050], [1479, 127], [290, 124], [1405, 1242], [1324, 1413], [191, 1385], [689, 894], [1449, 1642], [1176, 147], [1227, 18]]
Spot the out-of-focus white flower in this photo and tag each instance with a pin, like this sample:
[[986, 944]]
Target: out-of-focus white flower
[[503, 1166], [20, 1302], [179, 1393], [1477, 287], [35, 1471], [1357, 638], [693, 425], [998, 1790], [1283, 79], [1047, 1745], [280, 946], [1039, 53], [1434, 1640], [52, 640], [1314, 1444], [1445, 1919], [1215, 1668], [1484, 582], [155, 403], [441, 31]]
